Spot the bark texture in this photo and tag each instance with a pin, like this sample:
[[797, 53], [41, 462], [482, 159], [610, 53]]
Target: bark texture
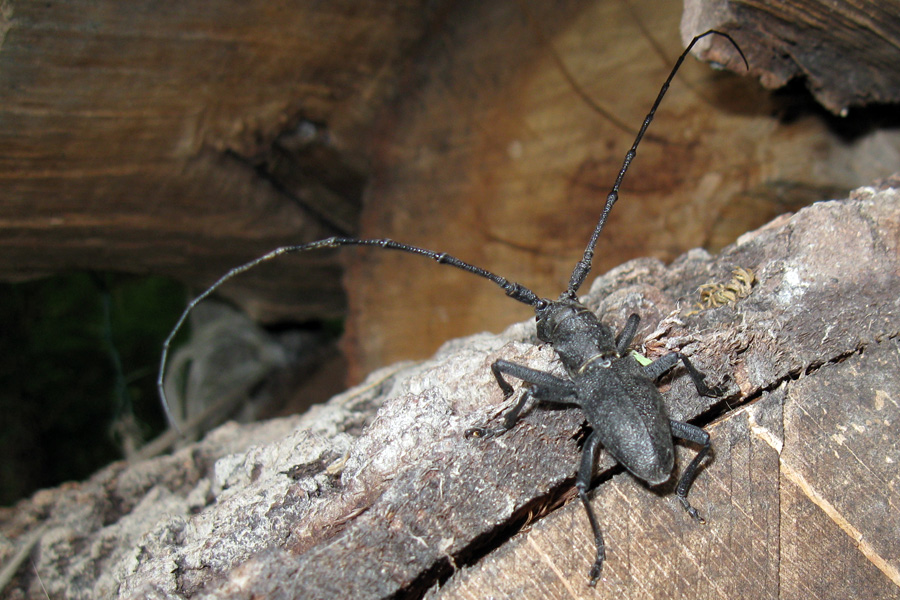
[[378, 494], [844, 51]]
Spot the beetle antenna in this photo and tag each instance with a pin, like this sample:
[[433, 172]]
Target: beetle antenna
[[512, 289], [583, 267]]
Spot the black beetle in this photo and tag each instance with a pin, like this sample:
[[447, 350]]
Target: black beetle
[[617, 395]]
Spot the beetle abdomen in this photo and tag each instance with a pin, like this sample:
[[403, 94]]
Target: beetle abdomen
[[633, 426]]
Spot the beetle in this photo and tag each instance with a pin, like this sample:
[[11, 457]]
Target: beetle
[[618, 396]]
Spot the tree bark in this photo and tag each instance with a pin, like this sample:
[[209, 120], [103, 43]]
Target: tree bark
[[182, 138]]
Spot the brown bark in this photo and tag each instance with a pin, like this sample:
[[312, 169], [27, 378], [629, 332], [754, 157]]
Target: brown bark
[[182, 138]]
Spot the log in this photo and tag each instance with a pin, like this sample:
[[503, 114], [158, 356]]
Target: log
[[843, 51], [183, 138], [378, 493], [504, 148]]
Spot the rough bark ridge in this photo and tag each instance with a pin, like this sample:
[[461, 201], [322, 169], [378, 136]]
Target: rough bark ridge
[[378, 494]]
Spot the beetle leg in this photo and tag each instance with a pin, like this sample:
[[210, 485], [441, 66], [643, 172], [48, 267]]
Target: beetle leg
[[691, 433], [544, 387], [582, 484], [664, 364], [623, 340]]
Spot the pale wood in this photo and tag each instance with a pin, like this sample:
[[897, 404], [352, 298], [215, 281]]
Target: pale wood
[[493, 155], [185, 138]]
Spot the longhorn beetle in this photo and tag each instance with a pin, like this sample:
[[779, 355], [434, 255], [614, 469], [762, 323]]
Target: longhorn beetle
[[617, 395]]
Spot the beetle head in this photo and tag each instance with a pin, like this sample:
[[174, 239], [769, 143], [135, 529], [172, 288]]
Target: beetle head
[[574, 331]]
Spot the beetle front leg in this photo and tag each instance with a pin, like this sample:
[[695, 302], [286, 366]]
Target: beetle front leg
[[509, 420], [545, 387], [625, 337]]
